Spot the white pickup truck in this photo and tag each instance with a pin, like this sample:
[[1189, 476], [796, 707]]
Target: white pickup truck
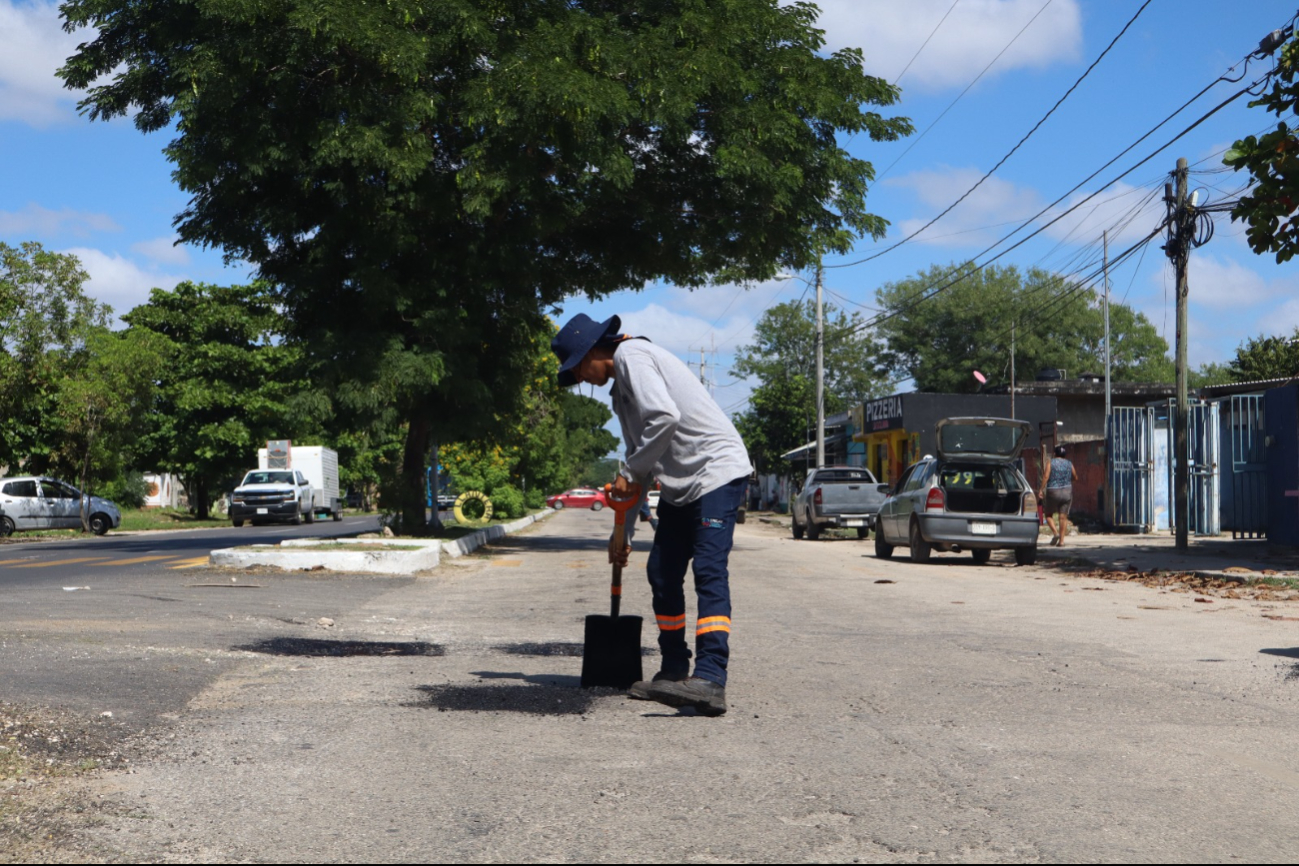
[[845, 497], [271, 496]]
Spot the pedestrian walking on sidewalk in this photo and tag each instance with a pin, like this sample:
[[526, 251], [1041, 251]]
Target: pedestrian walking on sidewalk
[[1057, 494], [673, 431]]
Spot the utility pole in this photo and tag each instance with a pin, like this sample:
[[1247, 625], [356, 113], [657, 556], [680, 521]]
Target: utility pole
[[1012, 368], [820, 370], [1179, 250], [1105, 246]]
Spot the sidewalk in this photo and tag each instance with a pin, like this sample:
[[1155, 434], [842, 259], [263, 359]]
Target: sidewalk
[[1220, 556]]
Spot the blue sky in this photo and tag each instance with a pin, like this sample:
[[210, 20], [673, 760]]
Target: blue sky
[[103, 191]]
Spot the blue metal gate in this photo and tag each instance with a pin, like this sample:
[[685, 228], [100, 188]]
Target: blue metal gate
[[1131, 450], [1203, 439], [1204, 442], [1248, 466]]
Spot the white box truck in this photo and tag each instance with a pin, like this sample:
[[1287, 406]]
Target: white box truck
[[319, 465]]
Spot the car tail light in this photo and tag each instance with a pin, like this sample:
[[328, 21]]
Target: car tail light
[[1030, 503], [935, 500], [816, 497]]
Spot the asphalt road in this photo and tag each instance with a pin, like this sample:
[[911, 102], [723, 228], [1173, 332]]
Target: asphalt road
[[39, 562], [880, 712], [135, 624]]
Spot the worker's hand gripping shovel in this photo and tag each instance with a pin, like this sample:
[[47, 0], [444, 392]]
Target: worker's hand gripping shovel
[[611, 653]]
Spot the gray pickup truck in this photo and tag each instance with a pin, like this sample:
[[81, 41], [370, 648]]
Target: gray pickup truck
[[846, 497]]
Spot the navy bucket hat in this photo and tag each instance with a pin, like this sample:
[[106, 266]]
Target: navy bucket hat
[[577, 338]]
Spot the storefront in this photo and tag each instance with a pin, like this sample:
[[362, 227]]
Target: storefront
[[897, 430]]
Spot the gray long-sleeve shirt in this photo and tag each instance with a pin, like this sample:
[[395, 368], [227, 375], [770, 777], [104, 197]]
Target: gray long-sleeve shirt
[[673, 428]]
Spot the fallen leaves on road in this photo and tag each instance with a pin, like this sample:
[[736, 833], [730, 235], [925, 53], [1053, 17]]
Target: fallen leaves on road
[[886, 581], [1200, 585]]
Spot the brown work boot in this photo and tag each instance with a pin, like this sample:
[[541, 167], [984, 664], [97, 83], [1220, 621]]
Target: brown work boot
[[707, 697], [639, 691]]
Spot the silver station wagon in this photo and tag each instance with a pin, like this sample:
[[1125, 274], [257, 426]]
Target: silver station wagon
[[35, 502], [971, 497]]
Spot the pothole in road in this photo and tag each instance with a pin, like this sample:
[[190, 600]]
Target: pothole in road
[[558, 648], [294, 646]]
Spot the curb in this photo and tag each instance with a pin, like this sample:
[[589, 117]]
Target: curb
[[301, 555], [470, 543]]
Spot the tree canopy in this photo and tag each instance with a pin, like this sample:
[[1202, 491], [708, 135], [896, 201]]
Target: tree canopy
[[1261, 358], [46, 321], [939, 342], [782, 360], [1272, 160], [424, 181], [230, 383]]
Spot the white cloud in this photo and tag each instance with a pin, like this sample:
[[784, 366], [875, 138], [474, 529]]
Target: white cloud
[[120, 282], [163, 250], [985, 216], [889, 34], [37, 221], [32, 47]]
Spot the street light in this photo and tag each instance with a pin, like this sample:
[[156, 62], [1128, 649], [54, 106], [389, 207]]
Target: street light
[[820, 364]]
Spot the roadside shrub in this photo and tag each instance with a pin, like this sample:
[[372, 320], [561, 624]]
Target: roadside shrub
[[507, 501], [126, 491], [535, 499]]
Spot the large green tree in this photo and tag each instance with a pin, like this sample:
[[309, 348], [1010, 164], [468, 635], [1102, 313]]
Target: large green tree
[[231, 383], [1270, 207], [1260, 358], [46, 320], [781, 362], [969, 325], [106, 406], [425, 180]]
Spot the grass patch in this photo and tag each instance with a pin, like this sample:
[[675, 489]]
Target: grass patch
[[144, 519]]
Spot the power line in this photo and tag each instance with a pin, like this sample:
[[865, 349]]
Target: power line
[[921, 295], [926, 42], [1017, 146], [917, 139]]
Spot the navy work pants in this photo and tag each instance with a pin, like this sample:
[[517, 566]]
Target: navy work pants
[[702, 530]]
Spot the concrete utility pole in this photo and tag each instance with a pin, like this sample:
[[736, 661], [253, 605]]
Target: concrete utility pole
[[1012, 369], [1105, 247], [820, 370], [1179, 250]]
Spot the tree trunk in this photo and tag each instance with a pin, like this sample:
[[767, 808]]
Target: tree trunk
[[198, 496], [411, 485], [434, 489]]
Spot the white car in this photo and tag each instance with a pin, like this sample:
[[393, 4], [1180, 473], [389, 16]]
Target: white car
[[36, 502]]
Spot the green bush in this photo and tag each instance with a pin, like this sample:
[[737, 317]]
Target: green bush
[[126, 491], [535, 499], [507, 502]]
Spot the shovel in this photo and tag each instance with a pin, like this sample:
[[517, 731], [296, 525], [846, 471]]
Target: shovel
[[611, 651]]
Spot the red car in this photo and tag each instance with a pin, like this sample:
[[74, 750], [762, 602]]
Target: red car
[[578, 497]]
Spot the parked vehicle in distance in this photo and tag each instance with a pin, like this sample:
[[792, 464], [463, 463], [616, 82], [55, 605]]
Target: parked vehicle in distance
[[578, 497], [970, 497], [846, 497], [37, 502], [272, 495], [319, 465], [653, 497]]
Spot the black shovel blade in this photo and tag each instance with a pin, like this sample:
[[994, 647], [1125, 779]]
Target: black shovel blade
[[611, 653]]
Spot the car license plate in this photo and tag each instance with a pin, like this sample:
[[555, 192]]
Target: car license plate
[[977, 528], [263, 511], [854, 523]]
